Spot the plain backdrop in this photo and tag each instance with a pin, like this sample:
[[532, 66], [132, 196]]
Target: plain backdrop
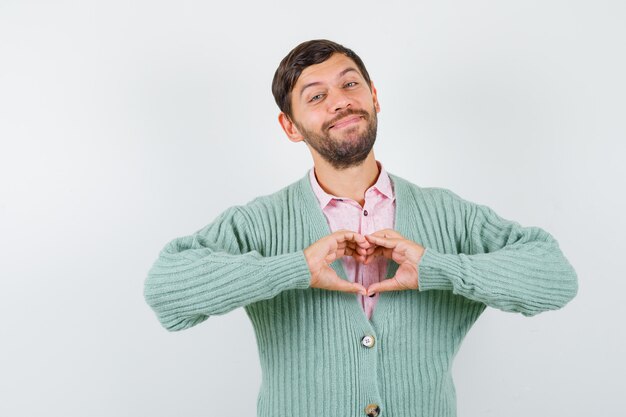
[[126, 124]]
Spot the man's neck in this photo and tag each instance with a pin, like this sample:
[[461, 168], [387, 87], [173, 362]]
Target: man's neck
[[350, 182]]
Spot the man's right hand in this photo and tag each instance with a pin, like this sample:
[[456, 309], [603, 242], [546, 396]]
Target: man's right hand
[[322, 253]]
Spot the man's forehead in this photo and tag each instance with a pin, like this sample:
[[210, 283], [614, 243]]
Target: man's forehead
[[333, 66]]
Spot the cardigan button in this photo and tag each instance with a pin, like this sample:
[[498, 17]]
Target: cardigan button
[[368, 341], [372, 410]]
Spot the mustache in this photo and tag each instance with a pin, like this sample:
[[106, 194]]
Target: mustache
[[340, 116]]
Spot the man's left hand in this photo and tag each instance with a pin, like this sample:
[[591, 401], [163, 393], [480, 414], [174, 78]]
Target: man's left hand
[[406, 253]]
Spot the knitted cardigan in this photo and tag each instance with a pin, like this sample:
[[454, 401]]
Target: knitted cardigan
[[316, 358]]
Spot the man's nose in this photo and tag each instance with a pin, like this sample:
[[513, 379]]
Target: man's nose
[[339, 101]]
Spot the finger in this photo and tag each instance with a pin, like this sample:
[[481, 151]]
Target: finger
[[351, 287], [353, 246], [359, 258], [346, 245], [360, 241], [393, 233], [376, 252], [350, 236], [345, 234], [388, 233], [383, 241], [390, 284], [369, 259], [365, 246], [363, 251], [350, 249]]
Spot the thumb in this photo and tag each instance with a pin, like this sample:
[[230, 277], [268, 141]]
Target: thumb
[[385, 285], [351, 287]]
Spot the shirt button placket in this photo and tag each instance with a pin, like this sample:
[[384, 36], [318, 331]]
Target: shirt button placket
[[371, 410]]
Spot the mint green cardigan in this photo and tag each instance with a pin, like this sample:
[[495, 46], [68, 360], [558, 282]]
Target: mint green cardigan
[[313, 355]]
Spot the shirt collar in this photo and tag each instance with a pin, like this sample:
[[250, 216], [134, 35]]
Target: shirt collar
[[382, 184]]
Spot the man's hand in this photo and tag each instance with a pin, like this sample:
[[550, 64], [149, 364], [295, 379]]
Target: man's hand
[[322, 253], [406, 253]]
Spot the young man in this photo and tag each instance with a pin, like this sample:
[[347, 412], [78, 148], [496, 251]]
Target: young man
[[360, 285]]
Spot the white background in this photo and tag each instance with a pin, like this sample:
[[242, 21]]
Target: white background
[[125, 125]]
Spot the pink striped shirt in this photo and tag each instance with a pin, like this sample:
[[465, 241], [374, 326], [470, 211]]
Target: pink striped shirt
[[377, 213]]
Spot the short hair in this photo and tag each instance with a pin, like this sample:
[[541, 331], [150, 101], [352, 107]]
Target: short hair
[[304, 55]]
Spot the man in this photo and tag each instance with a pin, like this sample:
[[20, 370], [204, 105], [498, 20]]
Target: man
[[360, 286]]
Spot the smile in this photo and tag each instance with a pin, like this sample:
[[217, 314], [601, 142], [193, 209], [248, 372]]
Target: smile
[[346, 122]]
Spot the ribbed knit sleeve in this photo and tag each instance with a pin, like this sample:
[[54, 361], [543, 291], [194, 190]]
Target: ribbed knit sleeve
[[508, 267], [216, 270]]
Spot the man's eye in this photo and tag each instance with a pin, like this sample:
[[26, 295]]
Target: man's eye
[[351, 84], [316, 97]]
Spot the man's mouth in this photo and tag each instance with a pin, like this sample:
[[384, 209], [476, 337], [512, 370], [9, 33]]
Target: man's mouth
[[346, 122]]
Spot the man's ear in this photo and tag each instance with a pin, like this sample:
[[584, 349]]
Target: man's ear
[[290, 128], [375, 97]]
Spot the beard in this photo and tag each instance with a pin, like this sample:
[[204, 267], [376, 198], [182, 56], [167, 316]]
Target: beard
[[349, 150]]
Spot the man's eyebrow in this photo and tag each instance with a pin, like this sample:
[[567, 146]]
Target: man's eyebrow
[[341, 74]]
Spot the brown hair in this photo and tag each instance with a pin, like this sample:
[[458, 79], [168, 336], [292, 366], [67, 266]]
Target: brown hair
[[306, 54]]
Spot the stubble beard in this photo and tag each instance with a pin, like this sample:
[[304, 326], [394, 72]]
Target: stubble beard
[[347, 151]]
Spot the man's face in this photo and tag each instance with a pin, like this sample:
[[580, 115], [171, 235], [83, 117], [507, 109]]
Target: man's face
[[334, 111]]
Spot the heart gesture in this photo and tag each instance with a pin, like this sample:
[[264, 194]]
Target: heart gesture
[[406, 253], [364, 249]]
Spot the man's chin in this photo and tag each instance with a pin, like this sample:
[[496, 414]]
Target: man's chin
[[351, 133]]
